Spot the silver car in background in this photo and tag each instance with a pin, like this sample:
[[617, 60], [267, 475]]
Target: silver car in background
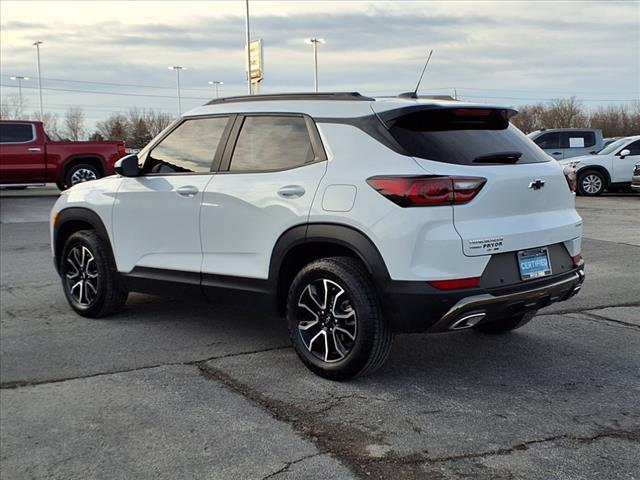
[[563, 143]]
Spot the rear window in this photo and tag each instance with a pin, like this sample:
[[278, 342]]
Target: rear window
[[465, 136], [15, 132]]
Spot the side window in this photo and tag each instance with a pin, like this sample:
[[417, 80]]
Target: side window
[[272, 143], [189, 148], [578, 139], [634, 148], [16, 132], [548, 140]]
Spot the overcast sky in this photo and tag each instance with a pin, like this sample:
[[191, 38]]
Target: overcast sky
[[507, 52]]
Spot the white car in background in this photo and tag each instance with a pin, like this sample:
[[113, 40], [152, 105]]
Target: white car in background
[[611, 167]]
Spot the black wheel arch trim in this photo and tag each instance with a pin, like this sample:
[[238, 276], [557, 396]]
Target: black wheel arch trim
[[76, 214], [335, 233]]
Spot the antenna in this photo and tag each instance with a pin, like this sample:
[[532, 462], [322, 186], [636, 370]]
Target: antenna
[[414, 94]]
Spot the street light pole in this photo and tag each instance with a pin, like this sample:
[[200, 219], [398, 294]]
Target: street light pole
[[215, 83], [246, 23], [177, 68], [315, 42], [19, 78], [37, 45]]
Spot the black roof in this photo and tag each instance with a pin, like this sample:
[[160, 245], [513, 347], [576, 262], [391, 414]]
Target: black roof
[[351, 96]]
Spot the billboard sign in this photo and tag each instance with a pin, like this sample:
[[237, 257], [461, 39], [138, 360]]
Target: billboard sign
[[257, 61]]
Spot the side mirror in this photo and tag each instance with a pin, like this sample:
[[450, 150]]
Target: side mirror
[[128, 166], [624, 153]]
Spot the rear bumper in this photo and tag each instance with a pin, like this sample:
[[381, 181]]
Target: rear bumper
[[417, 307]]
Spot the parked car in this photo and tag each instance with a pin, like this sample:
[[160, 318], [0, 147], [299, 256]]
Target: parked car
[[635, 180], [609, 168], [28, 157], [358, 217], [563, 143]]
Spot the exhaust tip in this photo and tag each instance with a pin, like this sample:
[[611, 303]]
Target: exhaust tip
[[467, 321]]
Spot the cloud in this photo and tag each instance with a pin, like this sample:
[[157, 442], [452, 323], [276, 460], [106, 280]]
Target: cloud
[[516, 48]]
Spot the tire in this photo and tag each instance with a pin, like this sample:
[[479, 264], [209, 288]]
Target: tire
[[506, 325], [82, 172], [356, 334], [61, 185], [89, 277], [591, 183]]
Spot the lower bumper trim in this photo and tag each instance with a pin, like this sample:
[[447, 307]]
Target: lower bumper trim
[[495, 306]]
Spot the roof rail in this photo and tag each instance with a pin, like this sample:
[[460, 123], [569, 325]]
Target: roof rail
[[293, 96]]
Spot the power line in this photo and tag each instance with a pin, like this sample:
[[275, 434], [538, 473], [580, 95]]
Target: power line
[[98, 92], [164, 87], [114, 84]]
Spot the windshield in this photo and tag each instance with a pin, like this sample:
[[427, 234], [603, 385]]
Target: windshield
[[613, 146]]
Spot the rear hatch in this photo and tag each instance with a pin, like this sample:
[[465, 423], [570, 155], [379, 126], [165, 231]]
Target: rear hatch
[[525, 202]]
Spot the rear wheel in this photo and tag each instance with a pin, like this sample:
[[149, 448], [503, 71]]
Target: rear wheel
[[334, 319], [506, 325], [81, 173], [89, 277], [591, 183]]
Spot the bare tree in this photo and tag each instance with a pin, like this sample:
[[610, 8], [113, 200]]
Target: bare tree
[[114, 128], [50, 124], [136, 128], [74, 124], [11, 108], [157, 121], [613, 120]]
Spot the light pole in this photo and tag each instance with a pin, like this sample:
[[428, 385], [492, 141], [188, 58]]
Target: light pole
[[177, 68], [37, 45], [246, 24], [215, 83], [315, 42], [19, 78]]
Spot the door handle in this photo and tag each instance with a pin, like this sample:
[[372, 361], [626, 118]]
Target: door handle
[[556, 153], [291, 191], [188, 191], [35, 149]]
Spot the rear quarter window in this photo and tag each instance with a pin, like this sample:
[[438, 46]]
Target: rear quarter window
[[463, 136], [16, 132]]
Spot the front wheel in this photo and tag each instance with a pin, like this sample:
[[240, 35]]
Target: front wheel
[[81, 173], [591, 183], [89, 278], [334, 319]]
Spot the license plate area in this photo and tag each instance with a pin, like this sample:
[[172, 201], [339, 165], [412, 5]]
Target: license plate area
[[534, 263]]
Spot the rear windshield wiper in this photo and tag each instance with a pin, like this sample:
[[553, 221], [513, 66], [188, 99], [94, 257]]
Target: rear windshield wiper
[[499, 157]]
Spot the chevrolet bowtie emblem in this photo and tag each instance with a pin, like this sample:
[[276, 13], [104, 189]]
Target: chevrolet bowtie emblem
[[537, 184]]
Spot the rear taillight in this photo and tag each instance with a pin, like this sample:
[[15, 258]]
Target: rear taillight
[[577, 260], [427, 191], [122, 150], [571, 177]]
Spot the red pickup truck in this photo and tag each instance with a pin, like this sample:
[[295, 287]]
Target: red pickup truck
[[28, 157]]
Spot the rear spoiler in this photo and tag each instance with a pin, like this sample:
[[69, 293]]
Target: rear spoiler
[[388, 117]]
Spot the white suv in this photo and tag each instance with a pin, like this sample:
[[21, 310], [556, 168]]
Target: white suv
[[612, 167], [360, 217]]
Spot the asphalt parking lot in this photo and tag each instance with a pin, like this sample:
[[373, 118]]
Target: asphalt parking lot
[[174, 390]]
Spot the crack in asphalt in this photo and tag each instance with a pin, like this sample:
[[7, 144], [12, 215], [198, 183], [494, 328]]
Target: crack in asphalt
[[586, 309], [595, 316], [287, 465], [340, 440], [32, 383], [631, 435]]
